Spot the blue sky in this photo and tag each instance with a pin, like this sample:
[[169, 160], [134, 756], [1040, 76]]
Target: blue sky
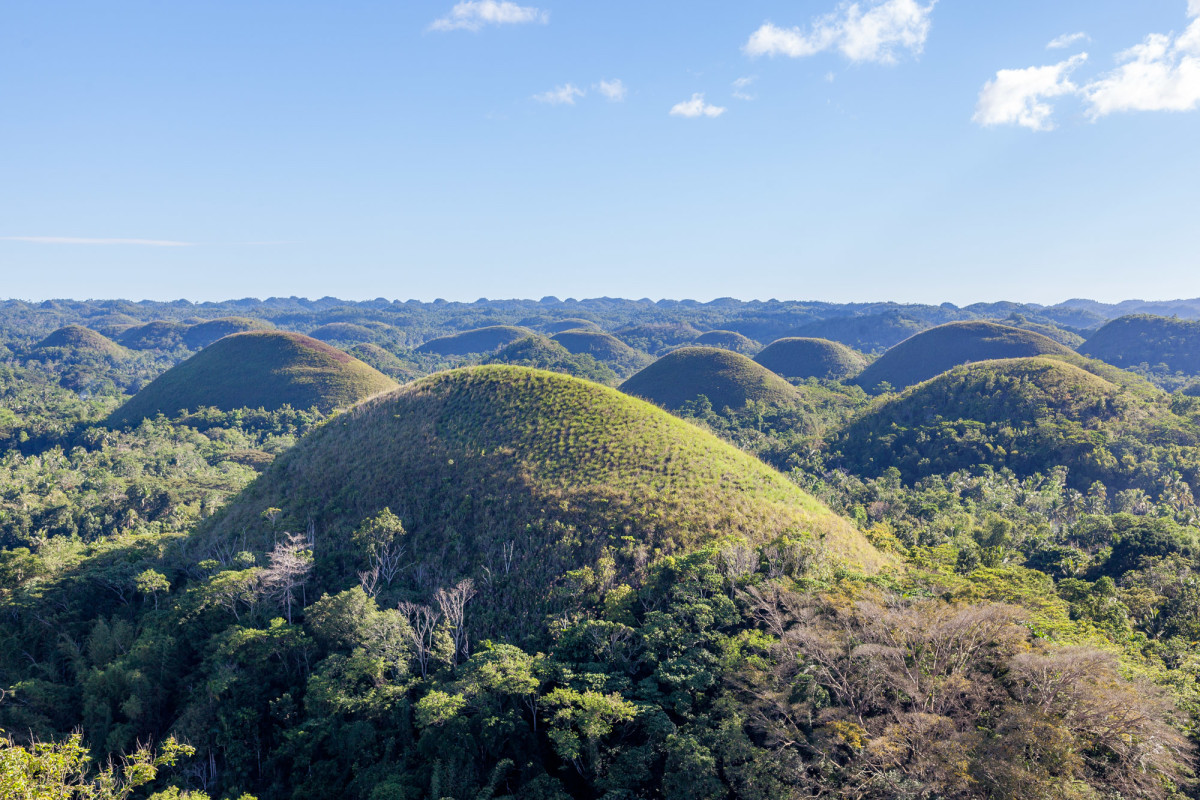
[[882, 150]]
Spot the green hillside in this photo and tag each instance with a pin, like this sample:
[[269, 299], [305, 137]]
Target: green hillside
[[656, 337], [158, 335], [1029, 415], [80, 339], [542, 353], [725, 378], [385, 361], [202, 334], [479, 340], [348, 332], [800, 357], [603, 347], [936, 350], [1063, 337], [1146, 339], [729, 340], [570, 324], [267, 369], [550, 469]]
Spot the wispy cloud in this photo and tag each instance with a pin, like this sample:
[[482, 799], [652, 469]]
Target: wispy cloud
[[696, 107], [473, 15], [741, 85], [1160, 74], [561, 95], [83, 240], [1015, 96], [1066, 40], [876, 34], [615, 90]]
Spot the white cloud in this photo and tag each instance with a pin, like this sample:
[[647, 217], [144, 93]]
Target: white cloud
[[561, 95], [1160, 74], [81, 240], [1068, 39], [696, 107], [614, 90], [742, 84], [472, 15], [876, 34], [1015, 96]]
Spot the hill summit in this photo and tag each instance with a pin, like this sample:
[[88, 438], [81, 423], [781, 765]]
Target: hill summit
[[936, 350], [724, 377], [804, 357], [266, 369], [81, 339], [516, 476]]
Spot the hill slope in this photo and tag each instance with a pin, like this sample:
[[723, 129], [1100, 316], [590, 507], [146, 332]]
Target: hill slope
[[81, 339], [553, 470], [936, 350], [603, 347], [479, 340], [260, 368], [729, 340], [1029, 415], [724, 377], [540, 352], [202, 334], [158, 335], [1143, 338], [801, 357], [385, 361]]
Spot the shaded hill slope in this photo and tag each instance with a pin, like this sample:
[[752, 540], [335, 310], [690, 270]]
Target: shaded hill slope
[[540, 352], [264, 368], [1029, 415], [936, 350], [724, 377], [158, 335], [802, 357], [729, 340], [479, 340], [603, 347], [570, 324], [519, 476], [385, 361], [80, 339], [1146, 339]]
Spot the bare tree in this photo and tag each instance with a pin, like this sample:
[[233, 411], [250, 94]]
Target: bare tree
[[290, 565], [422, 624], [452, 603]]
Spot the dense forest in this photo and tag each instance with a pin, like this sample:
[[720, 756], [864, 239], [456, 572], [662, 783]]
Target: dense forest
[[598, 548]]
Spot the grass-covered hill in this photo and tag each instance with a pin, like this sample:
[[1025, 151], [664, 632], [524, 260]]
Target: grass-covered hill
[[729, 340], [348, 332], [515, 477], [541, 352], [802, 357], [479, 340], [569, 324], [1146, 339], [936, 350], [157, 335], [385, 361], [79, 339], [267, 369], [1047, 329], [603, 347], [202, 334], [726, 378], [657, 337], [1029, 415]]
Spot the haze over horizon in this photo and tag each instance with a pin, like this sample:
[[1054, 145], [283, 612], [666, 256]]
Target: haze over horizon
[[888, 150]]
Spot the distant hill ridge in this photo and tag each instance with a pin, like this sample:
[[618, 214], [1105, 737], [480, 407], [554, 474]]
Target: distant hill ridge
[[936, 350], [478, 340], [258, 368], [1144, 338], [724, 377]]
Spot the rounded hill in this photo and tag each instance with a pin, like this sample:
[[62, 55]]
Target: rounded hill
[[725, 378], [348, 332], [267, 369], [570, 324], [540, 352], [516, 477], [202, 334], [603, 347], [80, 339], [1029, 415], [802, 357], [158, 335], [1147, 339], [729, 340], [936, 350], [385, 361], [479, 340]]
